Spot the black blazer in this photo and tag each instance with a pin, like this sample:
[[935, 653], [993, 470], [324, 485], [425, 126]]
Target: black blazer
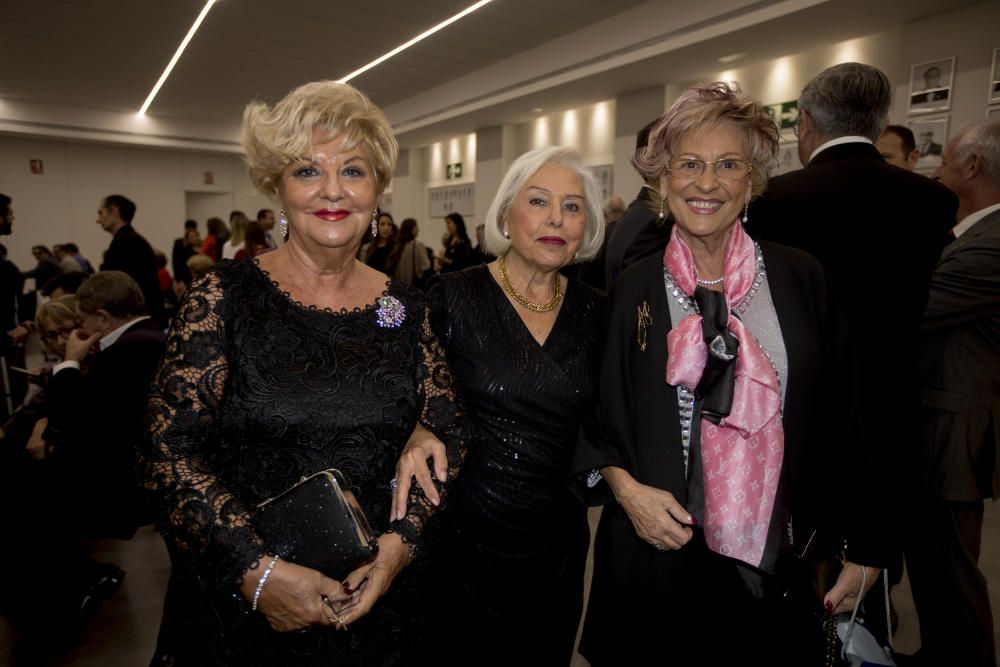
[[825, 470], [855, 213], [96, 420], [131, 253], [960, 368], [639, 233]]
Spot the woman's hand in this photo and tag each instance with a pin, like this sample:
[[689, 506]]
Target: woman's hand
[[656, 515], [295, 597], [848, 587], [371, 581], [413, 463]]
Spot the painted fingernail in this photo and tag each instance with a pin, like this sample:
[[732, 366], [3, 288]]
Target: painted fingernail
[[829, 606], [693, 521]]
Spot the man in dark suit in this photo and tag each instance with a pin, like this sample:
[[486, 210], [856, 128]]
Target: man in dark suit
[[96, 418], [642, 230], [960, 381], [854, 213], [130, 252]]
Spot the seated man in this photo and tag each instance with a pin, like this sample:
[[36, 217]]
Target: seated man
[[96, 419]]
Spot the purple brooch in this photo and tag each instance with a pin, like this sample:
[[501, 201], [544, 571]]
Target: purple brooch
[[390, 312]]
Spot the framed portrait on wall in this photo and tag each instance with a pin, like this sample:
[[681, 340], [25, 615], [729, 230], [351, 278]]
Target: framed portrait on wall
[[995, 78], [930, 86], [788, 158], [931, 135]]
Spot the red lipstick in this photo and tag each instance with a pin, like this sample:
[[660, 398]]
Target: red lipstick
[[332, 214], [552, 240]]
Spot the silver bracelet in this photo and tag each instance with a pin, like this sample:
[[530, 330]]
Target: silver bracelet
[[263, 580]]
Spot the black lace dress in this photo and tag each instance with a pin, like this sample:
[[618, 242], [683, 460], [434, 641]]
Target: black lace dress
[[509, 575], [257, 391]]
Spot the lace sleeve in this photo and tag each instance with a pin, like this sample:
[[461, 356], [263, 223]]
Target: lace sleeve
[[201, 521], [443, 415]]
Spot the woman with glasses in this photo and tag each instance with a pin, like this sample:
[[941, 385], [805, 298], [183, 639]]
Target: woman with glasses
[[727, 439]]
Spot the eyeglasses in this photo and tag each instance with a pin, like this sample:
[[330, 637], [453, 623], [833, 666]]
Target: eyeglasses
[[725, 169], [54, 334]]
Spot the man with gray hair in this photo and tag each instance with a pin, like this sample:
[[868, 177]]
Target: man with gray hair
[[960, 383], [856, 214]]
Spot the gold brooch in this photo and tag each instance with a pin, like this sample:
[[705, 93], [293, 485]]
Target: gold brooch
[[643, 323]]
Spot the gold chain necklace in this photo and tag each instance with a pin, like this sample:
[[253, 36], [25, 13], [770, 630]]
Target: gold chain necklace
[[517, 296]]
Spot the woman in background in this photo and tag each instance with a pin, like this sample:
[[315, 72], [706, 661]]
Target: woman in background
[[457, 247], [212, 247], [380, 250], [412, 261], [235, 242]]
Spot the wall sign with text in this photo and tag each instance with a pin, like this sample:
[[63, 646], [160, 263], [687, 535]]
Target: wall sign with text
[[452, 199]]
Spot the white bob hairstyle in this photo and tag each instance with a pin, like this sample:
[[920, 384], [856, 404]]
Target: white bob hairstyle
[[515, 180]]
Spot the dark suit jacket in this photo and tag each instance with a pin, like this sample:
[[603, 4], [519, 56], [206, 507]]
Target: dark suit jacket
[[131, 253], [639, 233], [639, 430], [878, 230], [960, 368], [96, 420]]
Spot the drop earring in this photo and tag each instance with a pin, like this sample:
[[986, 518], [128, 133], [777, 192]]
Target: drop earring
[[660, 216], [506, 234], [375, 223], [746, 209], [283, 225]]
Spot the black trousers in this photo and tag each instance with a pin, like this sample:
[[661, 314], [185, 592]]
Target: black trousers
[[949, 590]]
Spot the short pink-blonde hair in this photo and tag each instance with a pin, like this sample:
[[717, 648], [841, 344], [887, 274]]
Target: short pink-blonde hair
[[706, 106]]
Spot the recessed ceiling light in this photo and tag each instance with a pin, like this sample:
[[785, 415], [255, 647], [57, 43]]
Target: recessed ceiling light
[[732, 57], [418, 38], [177, 56]]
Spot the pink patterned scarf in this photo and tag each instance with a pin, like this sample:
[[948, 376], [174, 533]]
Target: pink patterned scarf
[[742, 455]]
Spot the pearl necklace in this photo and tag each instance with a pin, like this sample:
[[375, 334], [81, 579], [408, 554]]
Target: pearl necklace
[[709, 283], [517, 296]]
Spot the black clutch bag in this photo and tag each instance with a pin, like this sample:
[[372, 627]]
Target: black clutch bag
[[318, 524]]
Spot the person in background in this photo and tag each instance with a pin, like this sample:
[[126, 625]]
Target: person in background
[[46, 268], [265, 217], [67, 262], [957, 457], [381, 247], [255, 243], [182, 255], [130, 252], [238, 225], [457, 247], [413, 259], [523, 342], [179, 253], [899, 148], [212, 246], [198, 264]]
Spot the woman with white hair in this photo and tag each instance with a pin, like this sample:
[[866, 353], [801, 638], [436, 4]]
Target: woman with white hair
[[522, 342]]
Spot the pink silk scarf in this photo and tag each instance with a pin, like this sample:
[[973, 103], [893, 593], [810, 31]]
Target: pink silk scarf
[[742, 455]]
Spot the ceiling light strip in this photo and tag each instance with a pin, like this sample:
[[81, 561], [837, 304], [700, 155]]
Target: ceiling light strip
[[177, 56], [427, 33]]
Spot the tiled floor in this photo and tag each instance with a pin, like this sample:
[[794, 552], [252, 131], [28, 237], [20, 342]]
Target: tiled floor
[[124, 632]]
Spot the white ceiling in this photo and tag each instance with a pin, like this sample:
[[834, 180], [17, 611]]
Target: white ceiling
[[81, 68]]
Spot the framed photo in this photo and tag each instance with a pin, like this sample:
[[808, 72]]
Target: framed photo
[[787, 160], [930, 86], [931, 135], [995, 78], [993, 113]]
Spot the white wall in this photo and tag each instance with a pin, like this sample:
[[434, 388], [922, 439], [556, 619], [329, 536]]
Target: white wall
[[61, 204]]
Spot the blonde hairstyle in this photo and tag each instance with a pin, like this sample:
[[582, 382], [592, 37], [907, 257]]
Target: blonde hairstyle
[[55, 313], [198, 264], [239, 229], [706, 106], [517, 177], [274, 137]]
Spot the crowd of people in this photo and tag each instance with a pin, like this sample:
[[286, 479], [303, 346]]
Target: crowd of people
[[775, 403]]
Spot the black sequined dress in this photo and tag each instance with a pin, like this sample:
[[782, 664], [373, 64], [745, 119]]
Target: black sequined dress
[[510, 575], [257, 391]]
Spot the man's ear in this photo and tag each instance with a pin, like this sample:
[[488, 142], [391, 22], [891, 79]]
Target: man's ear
[[913, 158]]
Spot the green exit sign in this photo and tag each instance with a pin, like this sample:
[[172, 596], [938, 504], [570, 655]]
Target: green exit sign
[[453, 171]]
